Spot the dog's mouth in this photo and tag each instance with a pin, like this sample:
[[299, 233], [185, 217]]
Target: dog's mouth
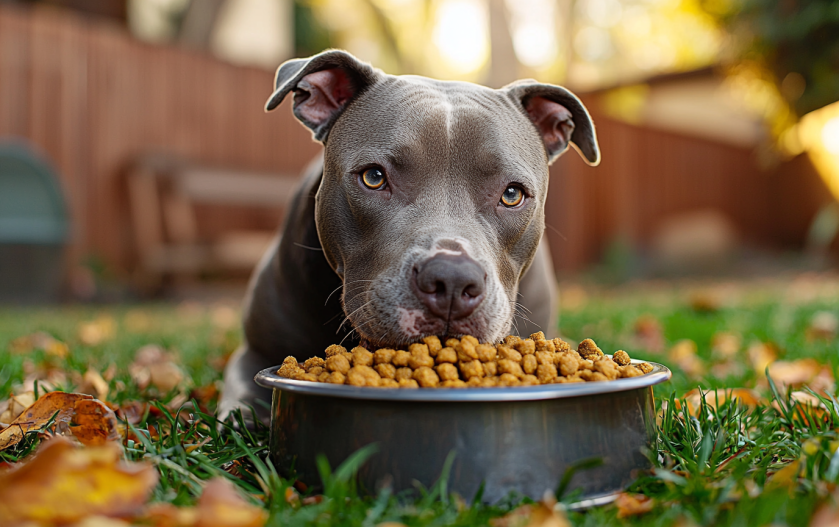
[[414, 325]]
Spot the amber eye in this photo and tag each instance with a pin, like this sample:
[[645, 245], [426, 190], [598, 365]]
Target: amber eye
[[373, 178], [512, 196]]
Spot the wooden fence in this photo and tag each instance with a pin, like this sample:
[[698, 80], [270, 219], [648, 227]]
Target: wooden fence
[[93, 99]]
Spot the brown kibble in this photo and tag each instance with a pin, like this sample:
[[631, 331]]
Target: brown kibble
[[288, 371], [529, 380], [420, 358], [361, 357], [474, 381], [384, 356], [544, 357], [301, 375], [408, 383], [486, 352], [545, 345], [645, 367], [401, 358], [508, 379], [621, 357], [313, 362], [470, 339], [525, 347], [570, 379], [491, 368], [511, 340], [404, 373], [452, 343], [506, 366], [434, 345], [447, 371], [568, 363], [592, 376], [539, 335], [447, 354], [587, 365], [589, 350], [466, 351], [315, 371], [324, 376], [386, 371], [338, 363], [363, 376], [426, 377], [472, 369], [348, 355], [529, 363], [546, 373], [488, 382], [418, 349], [629, 371], [608, 368], [561, 345], [508, 353], [454, 383], [335, 349], [388, 383], [336, 377]]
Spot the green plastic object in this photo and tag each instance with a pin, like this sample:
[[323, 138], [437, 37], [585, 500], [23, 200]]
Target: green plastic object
[[34, 227]]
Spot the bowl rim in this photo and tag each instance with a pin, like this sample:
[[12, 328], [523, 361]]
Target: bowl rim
[[268, 378]]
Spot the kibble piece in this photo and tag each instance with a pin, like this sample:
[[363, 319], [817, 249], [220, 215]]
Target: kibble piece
[[529, 363], [586, 364], [361, 357], [420, 358], [386, 371], [426, 377], [486, 352], [447, 354], [324, 376], [289, 368], [645, 367], [408, 383], [388, 383], [383, 356], [434, 345], [544, 357], [446, 371], [630, 371], [525, 347], [452, 343], [546, 373], [472, 369], [418, 349], [508, 379], [455, 383], [401, 358], [336, 377], [315, 371], [313, 362], [488, 382], [506, 366], [404, 373], [608, 368], [508, 353], [570, 379], [474, 381], [545, 345], [539, 335], [621, 357], [469, 338], [510, 340], [529, 380], [466, 351], [568, 363], [301, 375], [589, 350], [593, 376], [491, 368], [363, 376], [561, 345], [338, 363], [335, 349]]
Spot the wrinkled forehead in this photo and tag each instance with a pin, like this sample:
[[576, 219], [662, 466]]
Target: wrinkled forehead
[[411, 119]]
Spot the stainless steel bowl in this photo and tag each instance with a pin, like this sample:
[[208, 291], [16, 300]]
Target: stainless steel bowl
[[510, 439]]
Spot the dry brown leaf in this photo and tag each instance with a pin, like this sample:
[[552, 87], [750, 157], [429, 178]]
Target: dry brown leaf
[[761, 355], [787, 477], [154, 366], [542, 514], [97, 331], [807, 404], [39, 414], [95, 423], [715, 398], [683, 355], [63, 483], [725, 344], [706, 300], [823, 326], [802, 372], [649, 333], [221, 505], [93, 384], [14, 406], [633, 504], [40, 341]]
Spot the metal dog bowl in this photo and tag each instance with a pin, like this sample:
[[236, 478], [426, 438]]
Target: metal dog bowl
[[510, 439]]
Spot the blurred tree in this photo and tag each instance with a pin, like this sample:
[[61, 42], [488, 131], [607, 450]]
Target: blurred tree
[[310, 35]]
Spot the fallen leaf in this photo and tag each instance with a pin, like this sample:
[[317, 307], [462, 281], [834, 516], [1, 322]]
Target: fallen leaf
[[93, 384], [542, 514], [221, 505], [94, 423], [649, 333], [806, 404], [725, 344], [787, 477], [761, 355], [633, 504], [225, 317], [14, 406], [683, 354], [154, 366], [706, 301], [715, 398], [97, 331], [137, 321], [40, 341], [802, 372], [63, 483], [58, 404], [823, 326]]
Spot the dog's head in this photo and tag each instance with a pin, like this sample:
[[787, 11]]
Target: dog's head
[[431, 205]]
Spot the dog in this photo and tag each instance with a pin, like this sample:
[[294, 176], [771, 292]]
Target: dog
[[424, 216]]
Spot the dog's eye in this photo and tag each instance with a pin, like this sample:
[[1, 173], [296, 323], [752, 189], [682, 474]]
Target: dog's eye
[[512, 196], [373, 178]]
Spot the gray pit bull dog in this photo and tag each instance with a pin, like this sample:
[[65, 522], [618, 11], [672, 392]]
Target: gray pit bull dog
[[424, 216]]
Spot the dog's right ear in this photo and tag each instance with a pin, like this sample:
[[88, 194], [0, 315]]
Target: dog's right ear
[[323, 85]]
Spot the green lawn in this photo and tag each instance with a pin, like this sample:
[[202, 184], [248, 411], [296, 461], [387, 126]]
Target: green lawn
[[717, 467]]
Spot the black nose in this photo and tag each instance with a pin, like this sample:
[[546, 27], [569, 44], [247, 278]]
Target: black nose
[[451, 286]]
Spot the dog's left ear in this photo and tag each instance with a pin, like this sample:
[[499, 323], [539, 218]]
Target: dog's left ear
[[323, 85], [559, 117]]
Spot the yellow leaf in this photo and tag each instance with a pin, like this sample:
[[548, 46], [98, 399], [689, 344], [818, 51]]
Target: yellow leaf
[[683, 354], [97, 331], [633, 504], [63, 483], [542, 514], [39, 414], [221, 505], [715, 398], [786, 477]]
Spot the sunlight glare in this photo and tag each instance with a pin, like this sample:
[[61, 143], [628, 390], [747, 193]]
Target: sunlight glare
[[830, 135], [460, 34], [534, 31]]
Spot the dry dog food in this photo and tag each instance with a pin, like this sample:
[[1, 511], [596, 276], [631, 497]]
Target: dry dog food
[[458, 363]]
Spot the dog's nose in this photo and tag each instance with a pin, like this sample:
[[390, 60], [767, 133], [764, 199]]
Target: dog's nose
[[452, 286]]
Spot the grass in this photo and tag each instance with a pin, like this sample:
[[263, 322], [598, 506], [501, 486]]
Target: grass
[[726, 464]]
